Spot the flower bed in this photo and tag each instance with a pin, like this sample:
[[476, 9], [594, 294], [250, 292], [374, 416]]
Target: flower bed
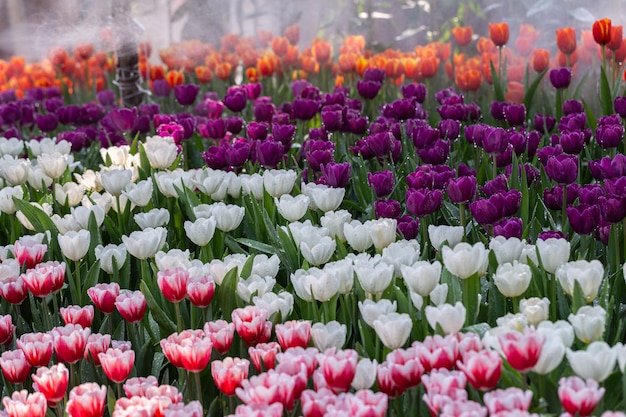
[[275, 248]]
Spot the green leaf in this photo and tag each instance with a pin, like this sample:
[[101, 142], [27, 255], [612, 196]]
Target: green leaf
[[91, 279], [578, 298], [38, 218], [497, 83], [166, 323], [606, 100], [259, 246], [188, 200], [227, 294], [532, 89]]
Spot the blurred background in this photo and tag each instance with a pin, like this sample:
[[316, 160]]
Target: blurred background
[[32, 27]]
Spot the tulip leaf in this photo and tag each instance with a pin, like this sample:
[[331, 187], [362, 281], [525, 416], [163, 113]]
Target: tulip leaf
[[227, 293], [37, 217], [111, 400], [215, 409], [480, 329], [497, 83], [91, 279], [259, 246], [606, 99], [532, 89], [161, 317], [578, 297], [188, 200], [157, 363]]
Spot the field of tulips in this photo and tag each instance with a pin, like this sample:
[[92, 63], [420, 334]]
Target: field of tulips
[[278, 232]]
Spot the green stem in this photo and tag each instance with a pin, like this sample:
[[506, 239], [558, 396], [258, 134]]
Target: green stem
[[563, 210], [59, 408], [471, 289], [179, 318], [495, 166], [462, 218], [77, 281], [46, 313], [196, 376]]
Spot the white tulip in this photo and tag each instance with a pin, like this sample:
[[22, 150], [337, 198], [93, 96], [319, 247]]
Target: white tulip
[[506, 250], [153, 218], [596, 362], [38, 179], [74, 245], [275, 303], [466, 260], [588, 323], [318, 250], [553, 252], [265, 266], [81, 215], [552, 353], [535, 309], [279, 182], [292, 208], [52, 164], [305, 231], [438, 235], [439, 295], [227, 217], [393, 329], [334, 221], [358, 235], [115, 155], [252, 185], [383, 232], [323, 197], [559, 328], [173, 258], [402, 252], [106, 255], [314, 283], [450, 318], [589, 275], [145, 243], [201, 231], [14, 170], [422, 277], [365, 375], [344, 271], [374, 279], [11, 146], [7, 205], [140, 194], [160, 151], [325, 336], [371, 310], [254, 285], [512, 279]]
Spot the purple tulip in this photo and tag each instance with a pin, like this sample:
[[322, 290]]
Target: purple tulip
[[534, 138], [573, 106], [53, 104], [186, 94], [214, 129], [553, 197], [435, 154], [336, 175], [332, 118], [603, 232], [613, 209], [487, 210], [505, 158], [414, 90], [495, 141], [269, 153], [355, 122], [590, 193], [10, 113], [174, 130], [283, 133], [106, 98], [462, 170], [374, 74], [78, 139], [544, 123], [571, 142], [443, 95], [408, 226], [609, 136], [234, 124], [620, 106], [615, 186], [35, 94], [47, 122], [475, 134], [512, 202], [354, 104], [551, 234], [515, 115], [264, 110], [449, 129], [12, 132], [547, 152], [368, 90], [161, 88], [380, 144], [404, 108], [381, 182], [387, 209], [518, 140], [532, 174], [215, 157], [123, 119], [508, 228], [257, 130], [236, 98], [238, 153], [305, 108], [253, 90], [149, 110], [458, 111], [562, 168], [573, 122], [423, 202], [560, 78], [583, 218], [461, 190], [336, 98], [497, 109], [608, 167], [424, 136], [497, 185]]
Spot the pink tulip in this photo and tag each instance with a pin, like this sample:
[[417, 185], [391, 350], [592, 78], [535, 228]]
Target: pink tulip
[[104, 296], [117, 365], [77, 315], [173, 283], [229, 373], [37, 348], [482, 369], [579, 397], [522, 350], [52, 382], [14, 366], [87, 400], [263, 355], [338, 367], [221, 334], [294, 333], [23, 404]]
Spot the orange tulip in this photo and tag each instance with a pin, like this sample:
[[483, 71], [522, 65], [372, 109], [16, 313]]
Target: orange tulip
[[561, 58], [222, 70], [321, 50], [601, 30], [499, 33], [394, 68], [263, 38], [411, 68], [267, 64], [462, 35], [83, 51], [468, 79], [485, 45], [616, 38], [252, 74], [292, 33], [309, 65], [174, 78], [280, 45], [157, 72], [203, 74], [514, 92], [620, 54], [540, 59], [428, 66], [566, 40], [515, 72]]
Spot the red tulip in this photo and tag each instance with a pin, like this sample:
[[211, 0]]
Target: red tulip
[[221, 334], [172, 345], [77, 315], [263, 355], [104, 296], [482, 368], [13, 290], [200, 290], [566, 40], [499, 33], [37, 348], [131, 306], [579, 398], [601, 30], [45, 278], [117, 364], [6, 329], [521, 350], [23, 404], [338, 368], [510, 399], [87, 400], [229, 373], [195, 356], [52, 382], [294, 333], [138, 386], [29, 252], [69, 342], [252, 325], [14, 366], [173, 283], [96, 344]]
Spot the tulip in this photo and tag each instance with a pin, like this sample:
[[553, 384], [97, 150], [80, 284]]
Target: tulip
[[465, 260], [229, 373], [131, 306], [522, 350], [45, 279], [588, 274], [52, 382], [579, 397], [318, 250], [601, 30], [87, 400], [393, 329], [146, 243], [195, 354], [553, 253], [374, 279], [338, 368], [160, 151], [140, 194], [69, 342], [382, 183], [482, 369], [444, 233], [200, 290], [74, 245], [295, 333], [37, 348], [552, 353], [422, 277], [15, 367], [535, 309], [560, 78], [588, 323], [323, 197], [462, 35], [566, 40], [616, 39], [77, 315], [292, 208], [263, 356], [512, 279], [329, 335], [358, 235], [221, 334], [21, 404], [96, 344], [251, 324], [450, 318], [29, 252]]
